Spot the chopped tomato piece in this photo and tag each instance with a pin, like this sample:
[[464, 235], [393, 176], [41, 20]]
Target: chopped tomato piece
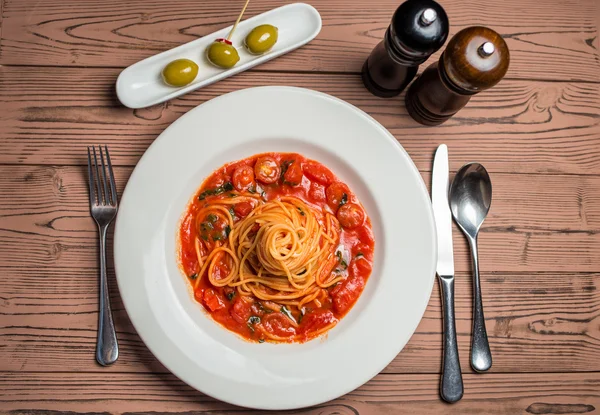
[[267, 170], [242, 209], [242, 309], [365, 236], [316, 320], [316, 192], [337, 195], [243, 177], [350, 215], [278, 325], [212, 300], [293, 175], [345, 294], [361, 266], [318, 173], [217, 180]]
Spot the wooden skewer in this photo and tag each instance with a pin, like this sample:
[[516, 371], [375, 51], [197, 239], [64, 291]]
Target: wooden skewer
[[237, 21]]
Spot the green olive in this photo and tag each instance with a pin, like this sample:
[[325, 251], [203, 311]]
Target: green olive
[[180, 72], [222, 54], [261, 39]]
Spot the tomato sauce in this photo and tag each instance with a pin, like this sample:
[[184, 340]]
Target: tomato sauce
[[282, 174]]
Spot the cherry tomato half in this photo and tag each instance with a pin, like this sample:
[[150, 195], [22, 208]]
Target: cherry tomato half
[[350, 215], [243, 177], [267, 170], [337, 194]]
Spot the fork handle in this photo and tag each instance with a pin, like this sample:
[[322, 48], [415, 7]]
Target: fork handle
[[107, 348]]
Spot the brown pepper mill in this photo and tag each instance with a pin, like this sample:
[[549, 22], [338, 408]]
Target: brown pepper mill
[[418, 29], [476, 59]]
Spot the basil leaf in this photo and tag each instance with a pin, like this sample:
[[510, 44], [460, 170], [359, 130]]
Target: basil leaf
[[261, 340], [254, 320], [230, 295], [301, 211], [194, 276], [286, 311], [344, 200]]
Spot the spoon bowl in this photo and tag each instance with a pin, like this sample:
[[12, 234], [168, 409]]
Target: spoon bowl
[[471, 197]]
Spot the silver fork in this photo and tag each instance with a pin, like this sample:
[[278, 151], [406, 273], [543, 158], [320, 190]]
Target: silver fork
[[103, 206]]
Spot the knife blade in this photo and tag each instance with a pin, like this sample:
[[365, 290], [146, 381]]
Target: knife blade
[[451, 384], [441, 211]]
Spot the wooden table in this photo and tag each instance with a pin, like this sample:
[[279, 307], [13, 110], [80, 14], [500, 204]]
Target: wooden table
[[537, 132]]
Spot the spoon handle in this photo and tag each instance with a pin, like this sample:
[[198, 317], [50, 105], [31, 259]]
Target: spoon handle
[[481, 356], [451, 384]]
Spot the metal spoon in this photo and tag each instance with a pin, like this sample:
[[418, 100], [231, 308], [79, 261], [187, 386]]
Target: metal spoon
[[470, 199]]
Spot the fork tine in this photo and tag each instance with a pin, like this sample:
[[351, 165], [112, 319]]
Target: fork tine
[[91, 179], [104, 179], [98, 178], [113, 187]]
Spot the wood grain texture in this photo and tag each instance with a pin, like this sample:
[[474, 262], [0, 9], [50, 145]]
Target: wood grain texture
[[386, 394], [537, 132], [554, 315], [548, 40], [47, 210], [49, 115], [536, 303]]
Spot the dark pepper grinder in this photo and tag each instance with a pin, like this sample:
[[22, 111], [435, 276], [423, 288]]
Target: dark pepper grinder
[[475, 59], [418, 29]]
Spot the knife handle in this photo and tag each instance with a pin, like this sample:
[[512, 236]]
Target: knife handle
[[451, 385]]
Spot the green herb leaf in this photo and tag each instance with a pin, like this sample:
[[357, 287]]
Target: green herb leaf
[[230, 295], [300, 210], [284, 167], [286, 311], [359, 255], [232, 212], [341, 259], [300, 318], [254, 320], [344, 200], [252, 189], [194, 276], [261, 340], [212, 217], [227, 231], [225, 187], [232, 195], [217, 237]]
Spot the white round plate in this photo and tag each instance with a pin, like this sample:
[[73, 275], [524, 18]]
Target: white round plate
[[158, 298]]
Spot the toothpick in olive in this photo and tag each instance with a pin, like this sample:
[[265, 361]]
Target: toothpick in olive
[[222, 53]]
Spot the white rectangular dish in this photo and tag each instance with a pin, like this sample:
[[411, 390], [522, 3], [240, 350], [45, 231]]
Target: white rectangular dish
[[141, 85]]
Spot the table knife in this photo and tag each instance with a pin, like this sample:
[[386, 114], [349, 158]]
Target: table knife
[[451, 384]]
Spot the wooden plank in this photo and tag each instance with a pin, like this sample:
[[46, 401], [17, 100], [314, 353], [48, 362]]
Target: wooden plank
[[552, 40], [130, 394], [49, 115], [536, 303], [49, 223], [53, 326]]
